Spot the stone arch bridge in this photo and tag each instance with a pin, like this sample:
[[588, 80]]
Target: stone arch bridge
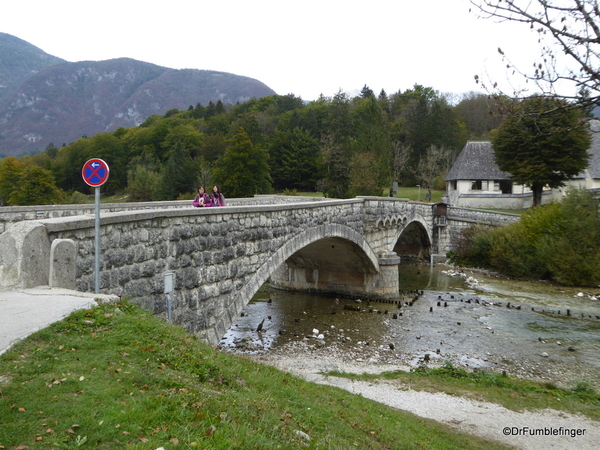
[[222, 256]]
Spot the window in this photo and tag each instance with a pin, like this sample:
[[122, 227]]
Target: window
[[476, 186], [506, 186]]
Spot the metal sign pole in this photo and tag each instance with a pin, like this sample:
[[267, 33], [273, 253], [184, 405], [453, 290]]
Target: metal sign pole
[[97, 244], [95, 173]]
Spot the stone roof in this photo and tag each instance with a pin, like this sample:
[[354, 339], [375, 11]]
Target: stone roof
[[477, 162]]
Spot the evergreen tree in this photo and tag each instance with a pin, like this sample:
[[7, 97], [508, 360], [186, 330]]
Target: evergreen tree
[[367, 92], [177, 177], [142, 176], [336, 147], [294, 160], [243, 171], [199, 111], [373, 144]]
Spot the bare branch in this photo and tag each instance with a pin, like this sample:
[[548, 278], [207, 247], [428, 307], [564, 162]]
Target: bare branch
[[565, 27]]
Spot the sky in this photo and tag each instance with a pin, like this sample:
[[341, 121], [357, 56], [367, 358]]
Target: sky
[[305, 48]]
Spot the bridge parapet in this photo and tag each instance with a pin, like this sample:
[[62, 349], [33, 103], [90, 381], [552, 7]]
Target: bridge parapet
[[12, 214]]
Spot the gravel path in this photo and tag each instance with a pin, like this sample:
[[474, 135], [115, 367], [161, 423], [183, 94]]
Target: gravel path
[[484, 419]]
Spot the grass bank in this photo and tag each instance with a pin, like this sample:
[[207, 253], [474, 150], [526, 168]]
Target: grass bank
[[117, 377]]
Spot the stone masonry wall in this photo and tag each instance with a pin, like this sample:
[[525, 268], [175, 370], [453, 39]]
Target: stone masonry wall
[[214, 253], [459, 219]]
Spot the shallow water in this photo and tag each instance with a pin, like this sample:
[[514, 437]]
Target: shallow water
[[473, 323]]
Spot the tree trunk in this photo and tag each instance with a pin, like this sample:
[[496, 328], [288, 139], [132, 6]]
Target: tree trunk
[[537, 190]]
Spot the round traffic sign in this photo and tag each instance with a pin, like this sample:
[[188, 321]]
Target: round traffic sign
[[95, 172]]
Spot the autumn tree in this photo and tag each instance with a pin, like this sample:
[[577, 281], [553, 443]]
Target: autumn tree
[[10, 171], [478, 113], [542, 143], [36, 186], [361, 180]]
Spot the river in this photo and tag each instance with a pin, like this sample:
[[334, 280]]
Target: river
[[530, 329]]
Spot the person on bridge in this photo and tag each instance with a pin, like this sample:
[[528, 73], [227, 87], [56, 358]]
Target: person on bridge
[[202, 199], [217, 197]]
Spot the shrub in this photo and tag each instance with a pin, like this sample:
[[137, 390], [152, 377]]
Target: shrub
[[77, 198], [473, 247], [560, 242]]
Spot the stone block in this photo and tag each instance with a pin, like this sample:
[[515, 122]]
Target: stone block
[[63, 269], [24, 255]]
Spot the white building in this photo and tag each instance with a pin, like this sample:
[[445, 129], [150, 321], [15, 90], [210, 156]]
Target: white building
[[475, 181]]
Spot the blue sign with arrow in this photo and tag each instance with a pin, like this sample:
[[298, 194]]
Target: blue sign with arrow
[[95, 172]]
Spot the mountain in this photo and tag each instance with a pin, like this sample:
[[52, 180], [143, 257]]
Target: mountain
[[19, 60], [48, 100]]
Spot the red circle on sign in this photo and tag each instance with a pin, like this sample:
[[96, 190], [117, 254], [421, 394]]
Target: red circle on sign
[[95, 172]]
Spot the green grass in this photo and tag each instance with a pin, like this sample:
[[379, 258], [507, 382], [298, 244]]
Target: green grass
[[413, 193], [117, 377], [511, 392]]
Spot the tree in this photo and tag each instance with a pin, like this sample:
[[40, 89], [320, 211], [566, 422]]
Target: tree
[[373, 146], [336, 166], [401, 157], [336, 147], [36, 186], [422, 117], [433, 163], [10, 171], [362, 181], [542, 143], [112, 150], [142, 176], [184, 135], [177, 177], [573, 29], [243, 171], [293, 159], [478, 112]]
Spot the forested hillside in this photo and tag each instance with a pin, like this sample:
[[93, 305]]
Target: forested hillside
[[340, 146]]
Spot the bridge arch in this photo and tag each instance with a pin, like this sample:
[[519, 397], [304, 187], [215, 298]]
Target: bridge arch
[[303, 252], [413, 239]]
